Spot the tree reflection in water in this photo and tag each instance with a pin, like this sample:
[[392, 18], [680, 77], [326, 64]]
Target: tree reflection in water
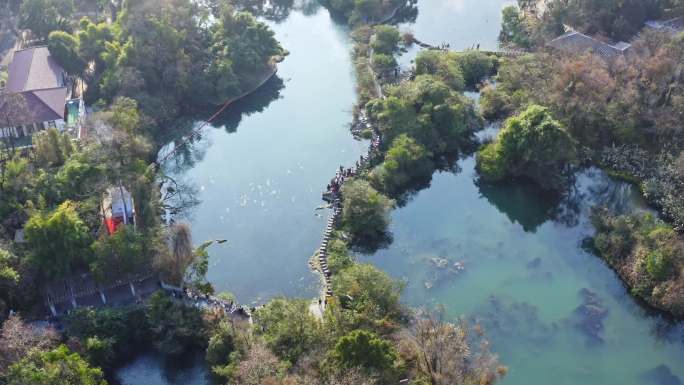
[[179, 196]]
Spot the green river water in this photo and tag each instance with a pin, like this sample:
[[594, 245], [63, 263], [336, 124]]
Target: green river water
[[526, 277]]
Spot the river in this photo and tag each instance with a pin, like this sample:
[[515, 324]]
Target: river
[[526, 276]]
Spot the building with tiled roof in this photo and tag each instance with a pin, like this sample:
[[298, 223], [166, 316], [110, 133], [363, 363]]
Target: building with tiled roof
[[577, 43], [42, 84]]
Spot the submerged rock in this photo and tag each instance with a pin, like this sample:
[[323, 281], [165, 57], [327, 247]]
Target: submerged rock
[[533, 264], [589, 316], [429, 284], [660, 375], [441, 263], [517, 320]]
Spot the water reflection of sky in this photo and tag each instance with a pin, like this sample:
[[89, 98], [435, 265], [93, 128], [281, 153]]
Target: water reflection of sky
[[462, 24]]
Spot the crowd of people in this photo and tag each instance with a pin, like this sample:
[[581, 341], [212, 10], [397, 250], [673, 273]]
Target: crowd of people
[[342, 174]]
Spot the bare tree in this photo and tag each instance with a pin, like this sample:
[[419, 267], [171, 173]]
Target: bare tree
[[446, 357], [13, 111], [349, 376], [260, 367], [174, 262], [17, 339]]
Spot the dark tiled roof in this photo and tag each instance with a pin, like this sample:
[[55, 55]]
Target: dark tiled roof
[[36, 75], [42, 105], [577, 43], [33, 69]]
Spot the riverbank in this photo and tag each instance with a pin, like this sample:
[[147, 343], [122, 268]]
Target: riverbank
[[647, 254]]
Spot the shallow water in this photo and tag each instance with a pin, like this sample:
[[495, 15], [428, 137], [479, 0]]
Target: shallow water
[[525, 272]]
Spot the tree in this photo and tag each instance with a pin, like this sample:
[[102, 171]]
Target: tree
[[532, 145], [221, 345], [64, 48], [288, 328], [109, 333], [259, 367], [118, 254], [383, 63], [92, 39], [647, 253], [443, 65], [80, 176], [58, 240], [15, 176], [7, 271], [45, 16], [385, 39], [364, 349], [370, 292], [13, 109], [339, 257], [406, 162], [180, 256], [446, 357], [429, 111], [52, 147], [100, 351], [513, 28], [229, 344], [176, 327], [365, 213], [181, 263], [475, 66], [18, 339], [58, 366]]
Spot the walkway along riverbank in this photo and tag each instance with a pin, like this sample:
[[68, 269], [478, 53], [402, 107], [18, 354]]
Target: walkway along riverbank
[[83, 291], [333, 191]]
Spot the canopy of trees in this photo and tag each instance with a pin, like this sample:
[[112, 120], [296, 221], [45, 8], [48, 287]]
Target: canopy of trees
[[618, 20], [365, 213], [370, 292], [532, 145], [406, 163], [165, 55], [45, 16], [365, 349], [59, 240], [289, 328], [57, 366], [427, 110], [176, 327]]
